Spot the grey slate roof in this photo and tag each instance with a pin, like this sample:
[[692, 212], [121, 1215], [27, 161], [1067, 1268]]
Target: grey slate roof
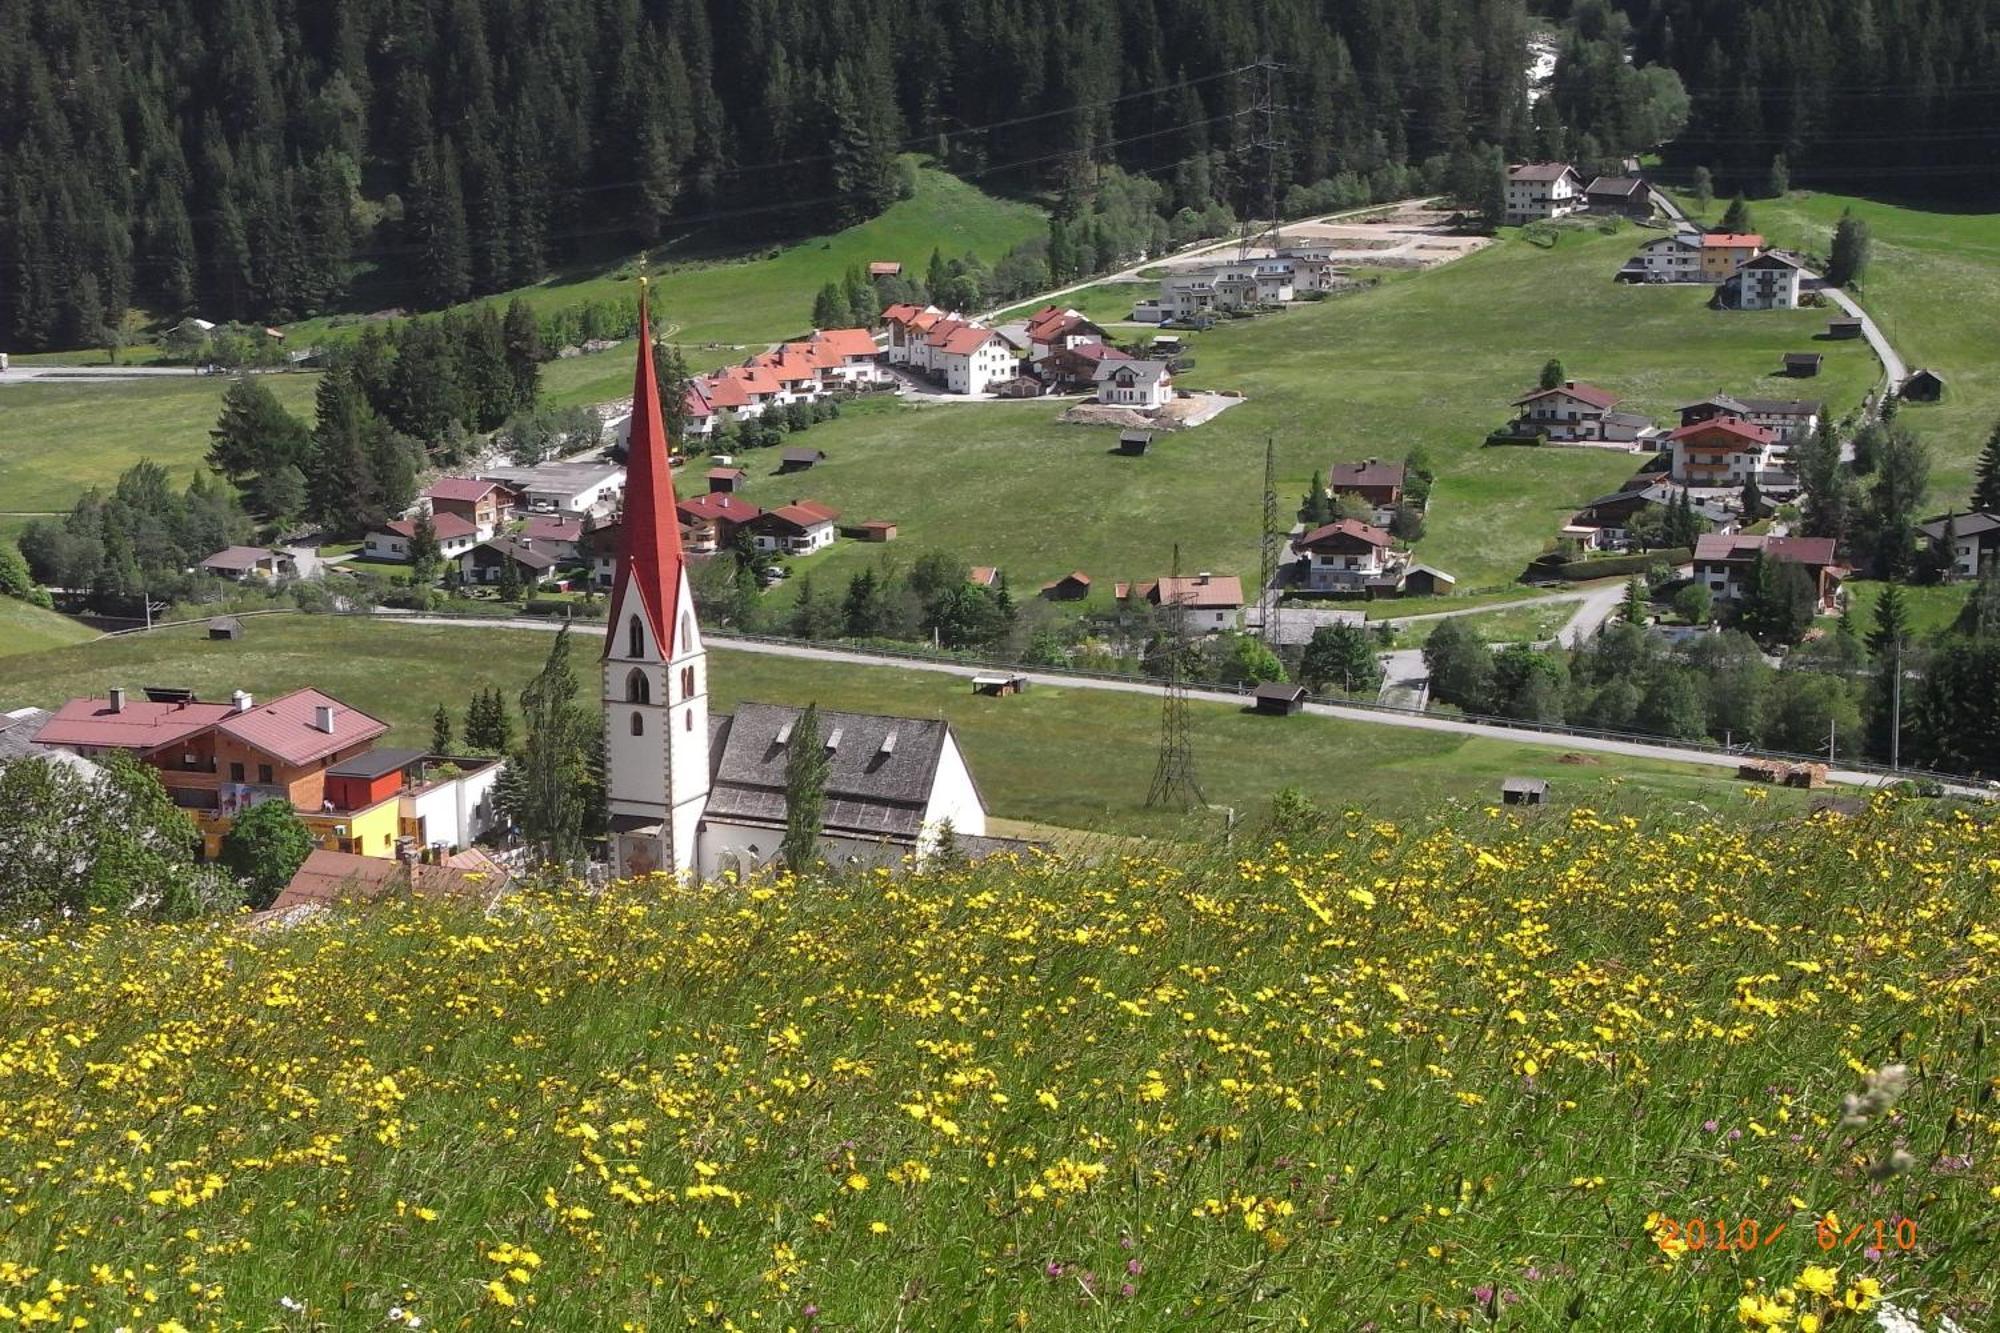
[[869, 793], [374, 763], [17, 741], [1972, 524]]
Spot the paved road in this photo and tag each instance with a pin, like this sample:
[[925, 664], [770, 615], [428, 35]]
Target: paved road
[[1415, 722], [1597, 606], [20, 374]]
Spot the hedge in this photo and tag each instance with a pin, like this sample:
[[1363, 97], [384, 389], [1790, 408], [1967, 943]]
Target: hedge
[[1554, 567]]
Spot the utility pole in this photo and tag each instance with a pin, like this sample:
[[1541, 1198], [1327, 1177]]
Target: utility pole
[[1896, 711], [1267, 597], [1174, 782]]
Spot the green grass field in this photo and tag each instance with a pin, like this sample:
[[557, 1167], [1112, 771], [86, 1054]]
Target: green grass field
[[1930, 608], [1933, 285], [1072, 757], [1429, 359], [29, 629], [58, 440], [769, 295], [1474, 1071]]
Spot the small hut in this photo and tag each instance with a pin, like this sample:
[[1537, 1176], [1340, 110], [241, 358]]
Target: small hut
[[999, 686], [1923, 386], [1134, 443], [1524, 791], [1278, 699], [799, 459], [225, 627], [1844, 327], [1803, 365]]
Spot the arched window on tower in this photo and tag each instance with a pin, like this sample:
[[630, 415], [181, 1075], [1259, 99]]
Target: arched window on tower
[[687, 632], [638, 724], [638, 690], [635, 638], [687, 682]]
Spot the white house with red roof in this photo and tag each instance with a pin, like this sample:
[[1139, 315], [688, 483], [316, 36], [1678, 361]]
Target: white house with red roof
[[1347, 555], [481, 502], [970, 358], [391, 542], [1572, 410], [1723, 561], [691, 794], [908, 325], [1720, 451]]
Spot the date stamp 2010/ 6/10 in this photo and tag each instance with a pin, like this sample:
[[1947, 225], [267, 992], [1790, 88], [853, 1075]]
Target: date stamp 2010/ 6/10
[[1719, 1233]]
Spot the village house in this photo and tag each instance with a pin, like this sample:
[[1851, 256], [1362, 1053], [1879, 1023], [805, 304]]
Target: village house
[[326, 878], [1377, 484], [391, 542], [1791, 420], [1675, 258], [1768, 281], [1971, 540], [1312, 270], [1052, 327], [244, 563], [1722, 563], [798, 528], [442, 802], [1610, 516], [483, 503], [710, 522], [563, 488], [1538, 191], [1145, 386], [847, 358], [800, 458], [908, 325], [1625, 196], [1212, 603], [970, 358], [600, 548], [487, 562], [1721, 252], [1074, 368], [1071, 587], [1185, 295], [1346, 555], [560, 535], [1572, 410], [1722, 451]]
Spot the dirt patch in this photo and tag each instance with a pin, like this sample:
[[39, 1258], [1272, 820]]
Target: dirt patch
[[1572, 757], [1180, 414]]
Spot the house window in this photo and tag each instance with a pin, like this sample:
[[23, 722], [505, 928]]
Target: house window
[[687, 682], [236, 772], [635, 638], [264, 773], [638, 690], [638, 724]]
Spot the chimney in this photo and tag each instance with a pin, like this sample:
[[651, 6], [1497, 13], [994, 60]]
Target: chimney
[[1569, 384], [117, 698], [323, 718], [241, 701]]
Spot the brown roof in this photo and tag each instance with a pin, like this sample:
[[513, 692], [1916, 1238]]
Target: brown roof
[[461, 488], [237, 557], [799, 514], [846, 342], [141, 725], [552, 528], [1213, 592], [1371, 474], [1741, 546], [1539, 171], [726, 474], [1074, 576], [284, 728], [1353, 529], [1577, 389], [984, 576], [443, 526], [884, 268], [1746, 431], [327, 877], [719, 505], [1623, 186]]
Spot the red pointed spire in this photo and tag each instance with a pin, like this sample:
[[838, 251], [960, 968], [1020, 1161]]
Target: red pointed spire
[[649, 534]]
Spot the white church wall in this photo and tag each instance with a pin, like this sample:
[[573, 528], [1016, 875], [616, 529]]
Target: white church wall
[[953, 798], [745, 848]]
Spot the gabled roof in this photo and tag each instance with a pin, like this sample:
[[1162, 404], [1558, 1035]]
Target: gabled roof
[[240, 558], [798, 516], [445, 527], [286, 729], [1343, 530], [846, 342], [966, 339], [1372, 474], [1973, 524], [327, 877], [1732, 240], [1782, 407], [463, 489], [1738, 429], [1142, 372], [1742, 546], [1214, 593], [1771, 259], [724, 392], [18, 729], [649, 534], [879, 777], [1577, 389], [1680, 238], [1544, 172], [1721, 400], [1623, 186], [140, 726], [983, 576], [552, 528], [530, 557], [726, 474], [802, 454], [719, 506]]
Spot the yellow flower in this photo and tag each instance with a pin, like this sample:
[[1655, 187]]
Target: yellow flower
[[1819, 1281], [878, 1228], [857, 1182], [497, 1290]]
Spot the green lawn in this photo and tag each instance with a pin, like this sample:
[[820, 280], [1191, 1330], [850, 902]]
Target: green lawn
[[57, 440], [1934, 287], [1930, 609], [1517, 624], [1072, 757], [29, 629], [769, 295], [1429, 359]]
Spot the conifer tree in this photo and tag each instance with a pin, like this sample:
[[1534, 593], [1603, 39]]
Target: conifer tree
[[1736, 218], [554, 760], [440, 731], [806, 768], [1986, 475]]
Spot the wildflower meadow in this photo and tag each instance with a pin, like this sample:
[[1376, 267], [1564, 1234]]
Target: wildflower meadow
[[1547, 1072]]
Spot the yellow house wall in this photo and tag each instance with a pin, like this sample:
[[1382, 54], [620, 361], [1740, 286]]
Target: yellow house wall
[[370, 832]]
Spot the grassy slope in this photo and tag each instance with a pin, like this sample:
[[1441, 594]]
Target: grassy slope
[[1430, 359], [1434, 1076], [1934, 286], [56, 440], [770, 295], [29, 629], [1081, 758], [1932, 608]]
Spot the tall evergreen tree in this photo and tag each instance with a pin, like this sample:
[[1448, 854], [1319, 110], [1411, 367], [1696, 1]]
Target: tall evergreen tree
[[553, 760], [806, 768], [1986, 475]]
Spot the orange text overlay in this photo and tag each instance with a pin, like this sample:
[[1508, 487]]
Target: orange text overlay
[[1723, 1233]]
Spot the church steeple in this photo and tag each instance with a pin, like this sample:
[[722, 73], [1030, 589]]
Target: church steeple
[[650, 563]]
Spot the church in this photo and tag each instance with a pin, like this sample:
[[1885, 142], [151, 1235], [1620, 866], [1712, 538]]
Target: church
[[701, 795]]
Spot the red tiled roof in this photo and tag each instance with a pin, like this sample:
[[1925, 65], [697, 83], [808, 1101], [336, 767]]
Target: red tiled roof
[[820, 507], [1344, 527], [1374, 473], [1577, 389], [327, 877], [1218, 592], [725, 392], [719, 505], [1732, 240], [1731, 426], [984, 576], [1742, 546], [444, 526], [284, 728], [966, 340], [801, 515], [696, 401], [1074, 576], [847, 342], [465, 489], [901, 312], [752, 378], [141, 725]]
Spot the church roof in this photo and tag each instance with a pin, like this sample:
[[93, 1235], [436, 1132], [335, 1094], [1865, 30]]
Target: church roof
[[881, 770], [649, 537]]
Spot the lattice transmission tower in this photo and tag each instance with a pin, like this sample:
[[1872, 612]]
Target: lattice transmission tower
[[1174, 783]]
